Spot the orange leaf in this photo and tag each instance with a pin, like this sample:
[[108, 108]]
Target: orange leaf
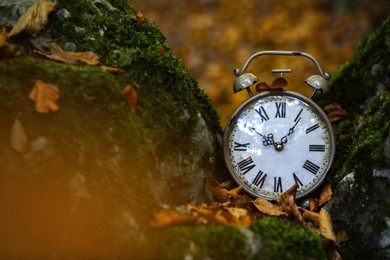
[[166, 218], [314, 204], [326, 226], [18, 138], [326, 194], [34, 18], [88, 57], [113, 70], [139, 18], [238, 216], [268, 208], [45, 96], [286, 201], [131, 96], [3, 36]]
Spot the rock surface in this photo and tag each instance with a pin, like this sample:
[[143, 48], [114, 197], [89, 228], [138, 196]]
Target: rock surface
[[84, 181], [361, 172]]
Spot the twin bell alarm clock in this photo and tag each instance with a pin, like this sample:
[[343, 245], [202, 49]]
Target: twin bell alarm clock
[[278, 138]]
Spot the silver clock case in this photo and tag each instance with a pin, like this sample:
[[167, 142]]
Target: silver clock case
[[253, 100]]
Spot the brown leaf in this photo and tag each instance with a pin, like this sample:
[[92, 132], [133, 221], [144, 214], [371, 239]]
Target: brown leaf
[[314, 204], [279, 83], [262, 86], [286, 201], [131, 96], [268, 208], [88, 57], [238, 216], [326, 194], [113, 70], [325, 225], [18, 138], [342, 236], [139, 18], [310, 216], [219, 193], [34, 18], [335, 112], [45, 96], [166, 218], [3, 36]]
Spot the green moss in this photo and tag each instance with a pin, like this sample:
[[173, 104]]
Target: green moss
[[284, 240], [203, 242]]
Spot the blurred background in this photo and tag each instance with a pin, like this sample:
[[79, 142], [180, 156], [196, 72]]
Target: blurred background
[[212, 37]]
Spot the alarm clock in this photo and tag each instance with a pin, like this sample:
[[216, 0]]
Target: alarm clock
[[278, 138]]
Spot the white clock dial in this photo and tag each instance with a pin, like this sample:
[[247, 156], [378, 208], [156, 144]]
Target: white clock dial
[[277, 139]]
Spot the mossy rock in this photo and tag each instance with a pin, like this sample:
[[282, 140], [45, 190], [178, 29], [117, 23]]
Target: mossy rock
[[267, 238], [94, 171], [361, 172]]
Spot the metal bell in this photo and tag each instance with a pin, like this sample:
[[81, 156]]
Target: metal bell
[[318, 83], [244, 81]]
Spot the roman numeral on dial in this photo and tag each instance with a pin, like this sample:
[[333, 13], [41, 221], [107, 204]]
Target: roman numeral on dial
[[241, 147], [312, 128], [280, 109], [311, 167], [259, 179], [316, 148], [262, 113], [298, 181], [246, 165], [278, 184]]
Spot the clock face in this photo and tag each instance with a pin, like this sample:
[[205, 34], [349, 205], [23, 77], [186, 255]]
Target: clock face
[[277, 139]]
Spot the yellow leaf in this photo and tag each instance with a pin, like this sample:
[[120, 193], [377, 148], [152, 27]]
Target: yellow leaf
[[88, 57], [326, 226], [310, 216], [45, 96], [268, 208], [34, 18], [18, 138], [166, 218], [326, 194]]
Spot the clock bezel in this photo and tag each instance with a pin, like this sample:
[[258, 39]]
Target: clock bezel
[[233, 120]]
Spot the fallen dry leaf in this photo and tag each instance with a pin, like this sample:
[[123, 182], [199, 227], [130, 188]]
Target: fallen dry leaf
[[342, 236], [325, 225], [56, 53], [262, 86], [219, 193], [287, 203], [166, 218], [18, 138], [268, 208], [45, 96], [310, 216], [279, 83], [335, 112], [34, 18], [3, 36], [87, 57], [139, 18], [326, 194], [131, 96], [314, 204], [113, 70], [238, 216]]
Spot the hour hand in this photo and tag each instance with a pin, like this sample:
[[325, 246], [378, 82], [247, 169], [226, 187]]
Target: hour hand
[[267, 140]]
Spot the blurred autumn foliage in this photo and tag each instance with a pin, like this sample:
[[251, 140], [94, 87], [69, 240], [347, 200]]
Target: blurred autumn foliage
[[213, 37]]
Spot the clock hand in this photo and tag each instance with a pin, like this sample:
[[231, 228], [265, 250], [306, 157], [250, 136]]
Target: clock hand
[[267, 140], [290, 131]]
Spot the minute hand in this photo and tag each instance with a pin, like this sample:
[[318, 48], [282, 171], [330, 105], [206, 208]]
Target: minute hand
[[290, 131]]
